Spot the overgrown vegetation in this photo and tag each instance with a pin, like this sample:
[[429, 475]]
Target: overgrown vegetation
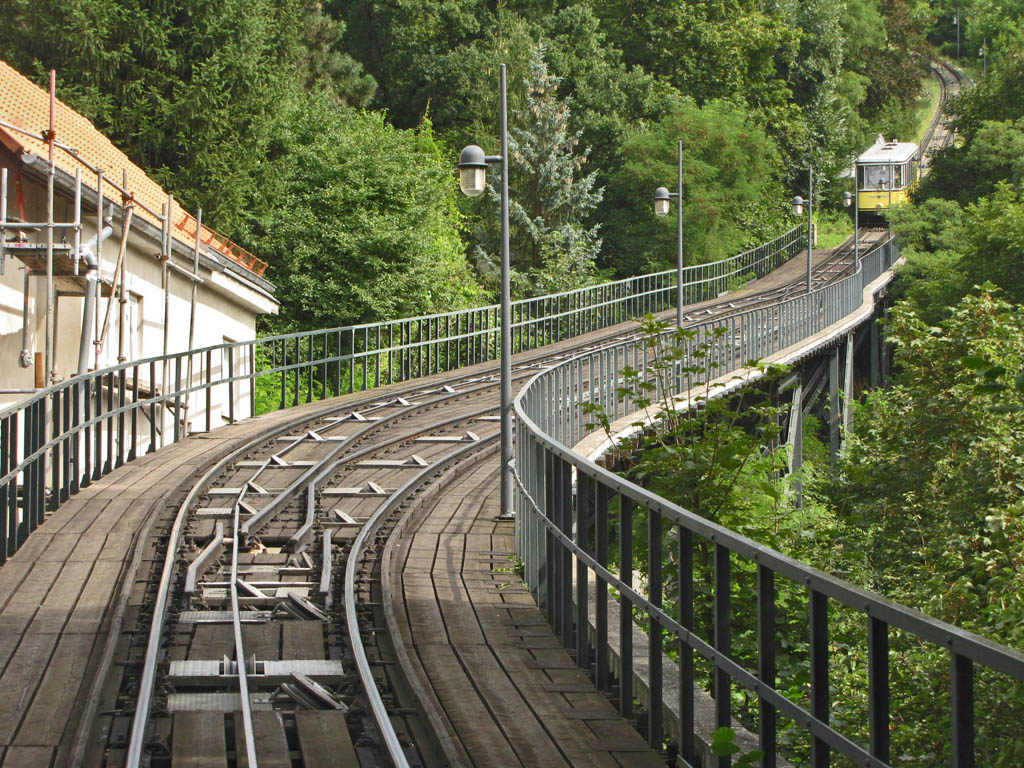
[[322, 135], [925, 503]]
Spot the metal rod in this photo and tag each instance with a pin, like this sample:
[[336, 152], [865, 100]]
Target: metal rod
[[679, 239], [77, 232], [810, 223], [25, 359], [99, 268], [165, 257], [118, 267], [192, 313], [50, 173], [3, 221], [507, 510], [126, 222]]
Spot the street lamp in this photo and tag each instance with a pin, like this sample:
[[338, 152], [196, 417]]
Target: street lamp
[[661, 206], [956, 23], [472, 180], [849, 200], [798, 209]]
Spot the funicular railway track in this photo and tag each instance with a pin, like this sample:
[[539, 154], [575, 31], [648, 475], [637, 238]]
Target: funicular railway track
[[261, 616], [939, 135]]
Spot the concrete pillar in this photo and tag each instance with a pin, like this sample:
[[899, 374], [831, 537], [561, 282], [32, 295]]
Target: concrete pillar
[[833, 406], [848, 389], [796, 440], [875, 372]]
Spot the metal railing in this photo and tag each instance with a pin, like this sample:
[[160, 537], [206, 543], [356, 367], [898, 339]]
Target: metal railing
[[69, 435], [571, 511]]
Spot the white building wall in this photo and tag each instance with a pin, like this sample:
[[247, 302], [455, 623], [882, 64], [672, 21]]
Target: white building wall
[[226, 309]]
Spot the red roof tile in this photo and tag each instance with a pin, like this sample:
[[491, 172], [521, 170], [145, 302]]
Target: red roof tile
[[27, 106]]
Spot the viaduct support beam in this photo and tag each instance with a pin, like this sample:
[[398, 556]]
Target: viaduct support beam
[[875, 367], [886, 350], [796, 440], [833, 405], [848, 390]]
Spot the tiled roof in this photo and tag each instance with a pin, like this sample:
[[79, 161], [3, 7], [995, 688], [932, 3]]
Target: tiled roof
[[26, 105]]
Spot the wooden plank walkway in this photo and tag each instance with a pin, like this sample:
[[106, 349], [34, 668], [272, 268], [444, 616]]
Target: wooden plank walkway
[[503, 687], [57, 593]]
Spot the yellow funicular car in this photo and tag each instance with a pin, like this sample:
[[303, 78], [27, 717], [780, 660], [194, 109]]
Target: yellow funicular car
[[886, 173]]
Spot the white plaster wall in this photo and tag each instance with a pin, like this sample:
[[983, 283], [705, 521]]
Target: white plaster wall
[[226, 309]]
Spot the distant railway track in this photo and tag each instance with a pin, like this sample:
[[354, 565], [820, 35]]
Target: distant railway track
[[269, 582], [939, 135]]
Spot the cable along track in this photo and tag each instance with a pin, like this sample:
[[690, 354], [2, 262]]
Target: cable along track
[[247, 661]]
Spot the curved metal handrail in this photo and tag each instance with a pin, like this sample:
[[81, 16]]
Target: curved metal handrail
[[545, 465], [78, 430]]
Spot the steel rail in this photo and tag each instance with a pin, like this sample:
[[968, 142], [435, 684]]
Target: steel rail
[[320, 470], [236, 625], [372, 525], [312, 475], [164, 592]]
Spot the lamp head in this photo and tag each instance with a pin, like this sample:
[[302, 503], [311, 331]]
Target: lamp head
[[472, 171], [847, 199], [798, 205], [661, 198]]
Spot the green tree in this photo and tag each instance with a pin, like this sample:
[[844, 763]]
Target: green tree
[[552, 247], [934, 476], [360, 223], [732, 196]]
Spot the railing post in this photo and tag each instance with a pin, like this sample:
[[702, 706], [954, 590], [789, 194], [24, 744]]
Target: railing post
[[177, 399], [655, 590], [153, 407], [208, 386], [584, 518], [687, 746], [603, 678], [878, 687], [133, 446], [8, 511], [625, 608], [766, 669], [961, 691], [820, 754], [723, 641], [55, 451], [231, 387]]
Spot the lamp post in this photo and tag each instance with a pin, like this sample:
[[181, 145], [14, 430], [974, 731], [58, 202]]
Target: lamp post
[[798, 209], [848, 200], [472, 181], [956, 23], [661, 205]]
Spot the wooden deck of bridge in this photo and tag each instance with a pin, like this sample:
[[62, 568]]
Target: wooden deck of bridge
[[59, 593], [478, 633], [503, 687]]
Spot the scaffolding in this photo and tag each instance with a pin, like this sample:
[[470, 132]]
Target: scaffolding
[[72, 268]]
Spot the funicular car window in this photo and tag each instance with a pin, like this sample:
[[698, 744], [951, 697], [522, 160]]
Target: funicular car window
[[874, 177]]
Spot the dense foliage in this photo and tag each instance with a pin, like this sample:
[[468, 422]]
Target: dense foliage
[[220, 102]]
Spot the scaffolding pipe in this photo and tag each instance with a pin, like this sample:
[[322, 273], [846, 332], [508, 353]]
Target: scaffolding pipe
[[126, 222], [92, 281], [76, 236], [77, 157], [50, 174], [99, 266], [118, 268], [192, 313], [3, 217], [25, 358], [165, 257]]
